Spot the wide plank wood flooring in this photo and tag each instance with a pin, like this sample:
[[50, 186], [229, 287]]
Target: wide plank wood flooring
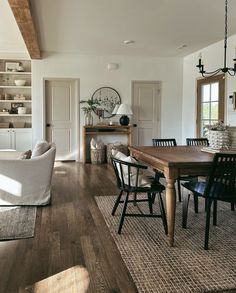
[[69, 232]]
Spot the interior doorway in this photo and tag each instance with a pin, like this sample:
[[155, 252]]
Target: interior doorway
[[146, 102], [61, 116]]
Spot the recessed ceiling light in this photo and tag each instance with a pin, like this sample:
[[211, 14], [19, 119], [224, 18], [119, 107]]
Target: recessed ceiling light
[[127, 42], [182, 47]]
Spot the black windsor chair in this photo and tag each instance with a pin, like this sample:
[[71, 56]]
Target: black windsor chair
[[219, 186], [129, 180]]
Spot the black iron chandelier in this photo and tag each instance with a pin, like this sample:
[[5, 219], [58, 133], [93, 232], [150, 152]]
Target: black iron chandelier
[[231, 71]]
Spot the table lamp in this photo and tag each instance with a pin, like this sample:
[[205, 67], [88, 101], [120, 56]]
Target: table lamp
[[124, 110], [115, 109]]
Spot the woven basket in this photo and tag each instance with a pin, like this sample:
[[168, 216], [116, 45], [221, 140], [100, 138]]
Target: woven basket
[[98, 156], [219, 139]]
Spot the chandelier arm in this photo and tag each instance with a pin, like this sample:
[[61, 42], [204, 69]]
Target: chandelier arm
[[232, 74], [225, 69], [210, 73]]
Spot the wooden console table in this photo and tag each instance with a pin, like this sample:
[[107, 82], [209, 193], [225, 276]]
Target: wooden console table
[[90, 131]]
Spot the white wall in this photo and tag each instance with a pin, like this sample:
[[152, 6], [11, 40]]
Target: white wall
[[92, 72], [213, 58]]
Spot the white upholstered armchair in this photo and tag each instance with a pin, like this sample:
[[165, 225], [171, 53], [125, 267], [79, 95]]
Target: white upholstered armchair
[[26, 182]]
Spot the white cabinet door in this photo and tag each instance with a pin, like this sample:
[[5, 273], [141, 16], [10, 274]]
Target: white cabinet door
[[22, 139], [5, 139]]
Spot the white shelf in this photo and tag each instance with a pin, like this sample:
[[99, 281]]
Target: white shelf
[[16, 101], [16, 115], [15, 72], [16, 138], [14, 87], [14, 128]]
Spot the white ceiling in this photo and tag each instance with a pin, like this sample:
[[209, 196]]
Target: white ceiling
[[10, 37], [100, 26]]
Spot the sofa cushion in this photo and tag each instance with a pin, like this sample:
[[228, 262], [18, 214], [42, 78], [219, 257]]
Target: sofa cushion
[[40, 148], [26, 155]]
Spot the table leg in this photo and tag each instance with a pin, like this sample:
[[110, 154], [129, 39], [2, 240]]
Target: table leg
[[170, 208]]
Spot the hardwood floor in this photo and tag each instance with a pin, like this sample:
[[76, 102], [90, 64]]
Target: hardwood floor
[[69, 232]]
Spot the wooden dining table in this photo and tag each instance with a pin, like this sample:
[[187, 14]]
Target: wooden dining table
[[174, 162]]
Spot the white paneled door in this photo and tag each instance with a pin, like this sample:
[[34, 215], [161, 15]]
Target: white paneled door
[[61, 117], [146, 97]]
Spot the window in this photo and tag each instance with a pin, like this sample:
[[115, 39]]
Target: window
[[210, 102]]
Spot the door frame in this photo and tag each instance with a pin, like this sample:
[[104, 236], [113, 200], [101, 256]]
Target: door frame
[[77, 112], [157, 82]]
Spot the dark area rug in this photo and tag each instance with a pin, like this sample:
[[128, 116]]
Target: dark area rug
[[17, 222], [187, 267]]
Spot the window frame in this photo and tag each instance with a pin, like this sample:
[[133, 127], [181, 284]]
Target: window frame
[[204, 81]]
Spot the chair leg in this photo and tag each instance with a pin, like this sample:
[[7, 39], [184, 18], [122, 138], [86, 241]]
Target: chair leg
[[232, 206], [135, 199], [215, 212], [153, 197], [195, 201], [123, 213], [205, 205], [179, 189], [185, 211], [117, 203], [163, 213], [157, 176], [208, 215], [150, 202]]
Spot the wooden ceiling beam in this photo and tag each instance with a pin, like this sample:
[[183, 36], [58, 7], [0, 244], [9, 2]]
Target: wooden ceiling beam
[[23, 16]]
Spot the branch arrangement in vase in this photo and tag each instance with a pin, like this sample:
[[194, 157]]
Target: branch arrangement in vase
[[91, 105], [220, 126]]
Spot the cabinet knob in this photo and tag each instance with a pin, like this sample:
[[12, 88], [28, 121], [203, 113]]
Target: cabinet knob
[[48, 124], [135, 125]]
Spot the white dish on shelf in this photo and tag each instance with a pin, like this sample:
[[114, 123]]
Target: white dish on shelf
[[20, 82]]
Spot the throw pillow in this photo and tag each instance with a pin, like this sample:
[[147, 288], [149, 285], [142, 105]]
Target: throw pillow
[[40, 148], [143, 180], [26, 155], [118, 155]]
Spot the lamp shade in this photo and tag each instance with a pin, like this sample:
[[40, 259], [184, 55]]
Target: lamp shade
[[115, 109], [124, 109]]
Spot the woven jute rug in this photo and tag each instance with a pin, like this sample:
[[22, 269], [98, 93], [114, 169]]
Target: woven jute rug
[[17, 222], [186, 267]]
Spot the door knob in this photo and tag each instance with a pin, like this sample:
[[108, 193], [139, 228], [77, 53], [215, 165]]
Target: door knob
[[135, 125]]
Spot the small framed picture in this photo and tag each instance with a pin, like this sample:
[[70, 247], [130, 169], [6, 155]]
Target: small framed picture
[[12, 66], [15, 106]]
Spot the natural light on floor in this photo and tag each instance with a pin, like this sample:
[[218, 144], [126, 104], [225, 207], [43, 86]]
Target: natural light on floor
[[75, 279], [10, 185]]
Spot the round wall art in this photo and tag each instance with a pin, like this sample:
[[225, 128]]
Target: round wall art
[[108, 99]]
